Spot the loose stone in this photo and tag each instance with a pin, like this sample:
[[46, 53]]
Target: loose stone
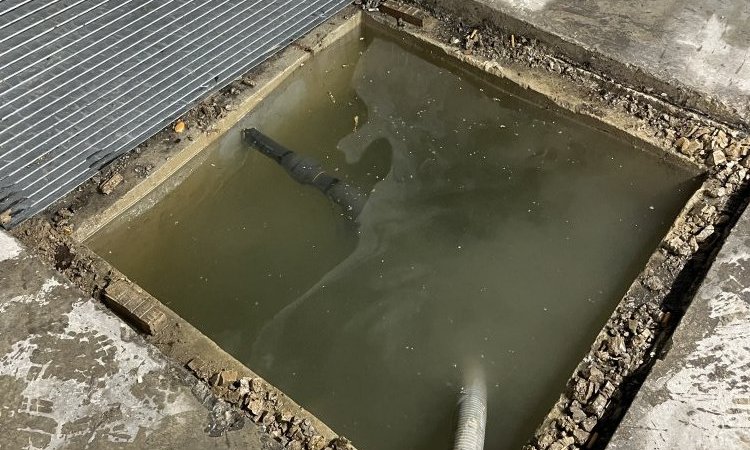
[[589, 423], [108, 186], [576, 412], [583, 391], [581, 436], [616, 345], [717, 158], [546, 440], [654, 283], [597, 406]]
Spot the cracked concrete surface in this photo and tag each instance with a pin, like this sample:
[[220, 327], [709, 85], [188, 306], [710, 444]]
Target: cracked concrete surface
[[73, 375], [702, 46], [698, 396]]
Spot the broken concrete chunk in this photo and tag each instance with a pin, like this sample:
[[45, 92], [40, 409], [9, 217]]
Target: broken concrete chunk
[[109, 185], [654, 283], [562, 444], [339, 443], [576, 413], [717, 158], [256, 385], [5, 217], [581, 436], [295, 445], [677, 246], [567, 441], [198, 367], [688, 147], [705, 233], [255, 407], [693, 148], [701, 132], [597, 406], [734, 151], [583, 390], [266, 418], [233, 397], [708, 213], [616, 345], [285, 416], [243, 386], [633, 326], [546, 439], [716, 191], [608, 389], [721, 139], [595, 375], [589, 423], [227, 377]]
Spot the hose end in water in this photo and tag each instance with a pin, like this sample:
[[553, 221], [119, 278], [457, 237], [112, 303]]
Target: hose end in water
[[472, 412]]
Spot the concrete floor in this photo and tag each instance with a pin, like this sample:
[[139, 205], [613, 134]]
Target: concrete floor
[[73, 375], [698, 396], [698, 46]]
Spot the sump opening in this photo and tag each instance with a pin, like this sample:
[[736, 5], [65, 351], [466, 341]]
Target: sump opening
[[500, 232]]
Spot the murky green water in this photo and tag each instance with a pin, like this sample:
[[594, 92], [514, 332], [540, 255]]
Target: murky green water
[[498, 233]]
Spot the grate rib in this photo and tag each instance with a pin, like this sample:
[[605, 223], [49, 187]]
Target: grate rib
[[81, 82], [77, 109]]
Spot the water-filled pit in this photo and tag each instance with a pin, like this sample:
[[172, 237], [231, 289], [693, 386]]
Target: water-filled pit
[[499, 233]]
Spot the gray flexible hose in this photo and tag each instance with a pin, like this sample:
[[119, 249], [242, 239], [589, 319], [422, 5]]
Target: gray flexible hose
[[472, 415]]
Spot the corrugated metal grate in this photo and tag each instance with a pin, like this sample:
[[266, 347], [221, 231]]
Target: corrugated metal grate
[[82, 81]]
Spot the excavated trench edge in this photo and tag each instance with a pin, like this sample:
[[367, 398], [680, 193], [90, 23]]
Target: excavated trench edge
[[637, 333]]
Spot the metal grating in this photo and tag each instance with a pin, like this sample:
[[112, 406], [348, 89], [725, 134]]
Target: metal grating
[[83, 81]]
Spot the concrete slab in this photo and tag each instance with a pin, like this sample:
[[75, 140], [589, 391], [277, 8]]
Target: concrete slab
[[73, 375], [700, 49], [698, 396]]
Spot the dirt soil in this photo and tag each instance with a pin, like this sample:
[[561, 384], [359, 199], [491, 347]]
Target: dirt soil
[[636, 334]]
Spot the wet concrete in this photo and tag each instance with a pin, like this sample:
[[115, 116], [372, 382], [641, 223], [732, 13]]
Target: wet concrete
[[72, 375], [698, 396], [696, 51]]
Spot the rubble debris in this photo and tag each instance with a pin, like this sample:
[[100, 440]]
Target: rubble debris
[[717, 158], [109, 185], [654, 283], [179, 126], [368, 5], [5, 217]]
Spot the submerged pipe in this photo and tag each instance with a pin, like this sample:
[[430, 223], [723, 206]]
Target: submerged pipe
[[472, 404], [472, 414], [308, 171]]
